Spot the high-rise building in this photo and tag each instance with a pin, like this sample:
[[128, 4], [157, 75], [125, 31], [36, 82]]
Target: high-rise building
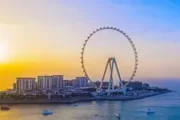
[[25, 84], [45, 82], [50, 82], [57, 81], [80, 82]]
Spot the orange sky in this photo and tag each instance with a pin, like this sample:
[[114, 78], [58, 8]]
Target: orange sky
[[46, 37]]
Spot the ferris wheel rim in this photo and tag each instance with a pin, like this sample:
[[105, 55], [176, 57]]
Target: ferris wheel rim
[[126, 36]]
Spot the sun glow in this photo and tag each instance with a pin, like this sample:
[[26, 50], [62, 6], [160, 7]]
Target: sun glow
[[3, 52]]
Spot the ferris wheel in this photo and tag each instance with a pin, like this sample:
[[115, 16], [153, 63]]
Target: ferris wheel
[[111, 61]]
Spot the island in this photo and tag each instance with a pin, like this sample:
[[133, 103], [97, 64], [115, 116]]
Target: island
[[78, 95], [54, 89]]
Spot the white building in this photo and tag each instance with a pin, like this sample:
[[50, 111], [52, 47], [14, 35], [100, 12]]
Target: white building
[[57, 81], [50, 82], [44, 82], [23, 84], [80, 82]]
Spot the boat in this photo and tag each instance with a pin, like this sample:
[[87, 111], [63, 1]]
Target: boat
[[118, 115], [5, 107], [150, 111], [47, 112]]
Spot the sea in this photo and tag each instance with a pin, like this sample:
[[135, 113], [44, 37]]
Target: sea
[[166, 107]]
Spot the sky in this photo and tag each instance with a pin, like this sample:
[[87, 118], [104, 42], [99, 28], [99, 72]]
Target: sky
[[45, 37]]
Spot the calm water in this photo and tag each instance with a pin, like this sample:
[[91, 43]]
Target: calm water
[[167, 107]]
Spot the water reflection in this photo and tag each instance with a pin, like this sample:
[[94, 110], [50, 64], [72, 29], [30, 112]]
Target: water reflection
[[100, 110]]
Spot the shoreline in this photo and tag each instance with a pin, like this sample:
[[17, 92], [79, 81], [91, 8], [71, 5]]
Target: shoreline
[[81, 99]]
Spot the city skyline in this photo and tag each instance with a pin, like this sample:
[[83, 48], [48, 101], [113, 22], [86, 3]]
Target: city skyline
[[45, 83], [45, 37]]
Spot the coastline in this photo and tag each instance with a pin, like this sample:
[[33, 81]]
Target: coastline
[[80, 99]]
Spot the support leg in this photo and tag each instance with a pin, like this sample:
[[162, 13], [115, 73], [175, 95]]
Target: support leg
[[120, 80], [104, 73]]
